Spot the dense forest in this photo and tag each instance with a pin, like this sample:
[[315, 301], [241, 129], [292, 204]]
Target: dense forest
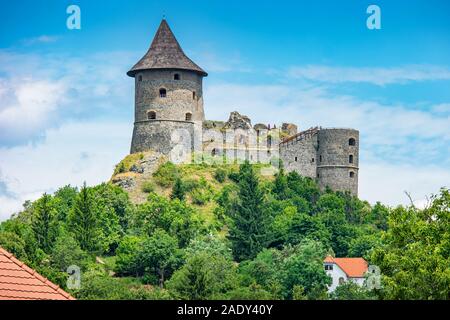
[[226, 232]]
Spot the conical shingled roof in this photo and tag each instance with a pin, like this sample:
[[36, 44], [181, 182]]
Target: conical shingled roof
[[165, 53]]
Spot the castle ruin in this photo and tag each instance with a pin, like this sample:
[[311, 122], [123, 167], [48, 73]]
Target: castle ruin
[[170, 119]]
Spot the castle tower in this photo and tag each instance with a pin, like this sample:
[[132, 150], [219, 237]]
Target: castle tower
[[168, 96], [338, 159]]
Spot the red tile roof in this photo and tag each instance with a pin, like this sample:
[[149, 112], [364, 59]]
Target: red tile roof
[[20, 282], [353, 267]]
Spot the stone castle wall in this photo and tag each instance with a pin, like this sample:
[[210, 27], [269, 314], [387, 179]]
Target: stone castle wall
[[300, 155], [334, 167]]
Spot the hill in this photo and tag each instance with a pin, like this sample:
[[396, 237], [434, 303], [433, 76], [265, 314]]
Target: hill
[[207, 231]]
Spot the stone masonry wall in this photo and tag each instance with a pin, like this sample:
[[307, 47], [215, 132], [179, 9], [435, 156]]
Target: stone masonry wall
[[300, 155], [183, 96], [333, 167]]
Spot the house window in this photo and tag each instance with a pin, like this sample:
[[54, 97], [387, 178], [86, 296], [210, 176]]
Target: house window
[[352, 174], [140, 78], [162, 93], [296, 159], [350, 158], [341, 280], [188, 116], [328, 267], [318, 175], [176, 76], [151, 115], [320, 158], [214, 152], [193, 95], [351, 142], [312, 160]]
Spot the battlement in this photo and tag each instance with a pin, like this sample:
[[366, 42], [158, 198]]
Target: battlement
[[300, 136]]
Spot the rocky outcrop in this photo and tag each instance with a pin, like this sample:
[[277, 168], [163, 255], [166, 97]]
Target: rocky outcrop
[[238, 121], [138, 168]]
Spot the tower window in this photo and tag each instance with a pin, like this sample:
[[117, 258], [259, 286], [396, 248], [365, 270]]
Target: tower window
[[176, 76], [350, 158], [351, 142], [214, 152], [312, 160], [162, 93], [140, 78], [193, 95], [352, 174], [320, 158], [151, 115], [188, 116], [296, 159]]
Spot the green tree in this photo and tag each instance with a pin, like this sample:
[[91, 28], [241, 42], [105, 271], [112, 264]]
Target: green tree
[[304, 267], [14, 244], [415, 256], [280, 185], [84, 220], [249, 230], [177, 218], [178, 191], [127, 256], [351, 291], [44, 223], [203, 276], [67, 252], [65, 199], [160, 255]]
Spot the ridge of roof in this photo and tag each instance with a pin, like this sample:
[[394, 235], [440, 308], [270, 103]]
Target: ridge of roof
[[165, 53], [34, 275]]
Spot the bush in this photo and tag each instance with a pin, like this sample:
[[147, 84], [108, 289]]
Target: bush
[[190, 184], [220, 174], [234, 176], [127, 162], [148, 187], [166, 174]]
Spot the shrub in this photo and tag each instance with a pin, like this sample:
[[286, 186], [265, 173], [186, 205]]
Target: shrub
[[148, 187], [166, 174], [200, 196], [220, 174], [234, 176]]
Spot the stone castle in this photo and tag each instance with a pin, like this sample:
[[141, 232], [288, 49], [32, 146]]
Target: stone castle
[[169, 116]]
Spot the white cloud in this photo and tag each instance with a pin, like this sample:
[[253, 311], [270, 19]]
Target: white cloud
[[40, 39], [388, 182], [41, 92], [71, 154], [377, 76], [28, 107]]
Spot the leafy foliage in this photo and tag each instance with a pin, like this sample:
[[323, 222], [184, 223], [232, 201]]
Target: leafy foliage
[[264, 238], [248, 232]]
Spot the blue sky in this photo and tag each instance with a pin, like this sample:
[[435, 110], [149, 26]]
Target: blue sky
[[66, 105]]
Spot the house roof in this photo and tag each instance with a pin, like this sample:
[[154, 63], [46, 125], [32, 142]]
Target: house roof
[[20, 282], [353, 267], [165, 53]]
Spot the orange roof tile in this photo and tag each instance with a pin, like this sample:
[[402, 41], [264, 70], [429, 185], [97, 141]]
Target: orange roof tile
[[20, 282], [353, 267]]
